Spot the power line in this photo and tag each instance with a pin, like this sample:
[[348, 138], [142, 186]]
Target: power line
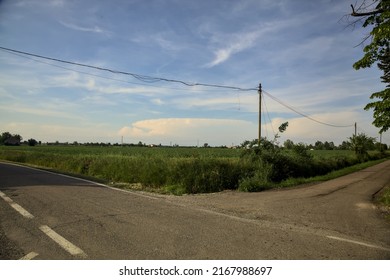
[[143, 78], [303, 114], [99, 76], [269, 118], [151, 79]]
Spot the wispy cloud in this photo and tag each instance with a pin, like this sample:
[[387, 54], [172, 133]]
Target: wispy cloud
[[218, 102], [228, 44], [28, 3], [42, 111], [93, 29], [234, 44]]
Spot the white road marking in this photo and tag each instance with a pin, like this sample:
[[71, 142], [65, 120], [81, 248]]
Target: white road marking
[[29, 256], [65, 244], [5, 197], [359, 243], [16, 206]]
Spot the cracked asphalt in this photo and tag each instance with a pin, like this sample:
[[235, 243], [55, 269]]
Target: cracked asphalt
[[331, 220]]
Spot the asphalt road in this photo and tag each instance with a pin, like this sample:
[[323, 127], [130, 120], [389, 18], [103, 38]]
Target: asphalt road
[[50, 216]]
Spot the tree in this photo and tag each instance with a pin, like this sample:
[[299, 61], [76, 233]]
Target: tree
[[361, 144], [32, 142], [319, 145], [288, 144], [377, 51], [381, 107], [328, 145], [7, 138], [4, 136], [344, 145]]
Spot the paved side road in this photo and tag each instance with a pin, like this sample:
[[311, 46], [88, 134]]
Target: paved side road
[[50, 216]]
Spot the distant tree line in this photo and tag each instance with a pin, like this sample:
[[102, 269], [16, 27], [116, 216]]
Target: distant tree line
[[370, 144], [353, 143], [9, 139]]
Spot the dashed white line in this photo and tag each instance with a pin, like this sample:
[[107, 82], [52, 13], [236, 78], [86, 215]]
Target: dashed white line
[[61, 241], [16, 206], [358, 243], [29, 256], [5, 197]]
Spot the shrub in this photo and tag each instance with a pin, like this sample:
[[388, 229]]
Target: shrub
[[205, 175], [185, 170], [258, 180]]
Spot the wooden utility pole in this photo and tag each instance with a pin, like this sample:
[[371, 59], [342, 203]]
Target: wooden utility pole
[[259, 139], [355, 128]]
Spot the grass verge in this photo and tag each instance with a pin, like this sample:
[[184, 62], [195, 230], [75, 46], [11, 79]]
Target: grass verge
[[291, 182], [179, 171]]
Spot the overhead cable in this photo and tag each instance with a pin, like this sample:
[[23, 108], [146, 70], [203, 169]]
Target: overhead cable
[[151, 79], [143, 78], [269, 118], [303, 114], [99, 76]]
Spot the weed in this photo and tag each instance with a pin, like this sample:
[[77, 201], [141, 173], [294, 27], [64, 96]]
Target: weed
[[187, 170]]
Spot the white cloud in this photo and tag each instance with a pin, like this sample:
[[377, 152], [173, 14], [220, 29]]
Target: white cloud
[[234, 44], [93, 29], [31, 3], [63, 133], [44, 110], [157, 101], [301, 129], [227, 102], [189, 131], [227, 44], [165, 42]]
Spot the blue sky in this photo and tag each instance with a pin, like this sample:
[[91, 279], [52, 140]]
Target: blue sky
[[301, 51]]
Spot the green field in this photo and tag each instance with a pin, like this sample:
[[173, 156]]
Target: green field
[[183, 170]]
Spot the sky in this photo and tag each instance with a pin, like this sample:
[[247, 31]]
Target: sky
[[301, 52]]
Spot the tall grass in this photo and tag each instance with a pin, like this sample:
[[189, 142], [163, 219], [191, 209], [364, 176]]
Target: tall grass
[[181, 170]]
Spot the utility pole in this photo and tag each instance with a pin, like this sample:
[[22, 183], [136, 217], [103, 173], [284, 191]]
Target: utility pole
[[259, 139], [355, 129]]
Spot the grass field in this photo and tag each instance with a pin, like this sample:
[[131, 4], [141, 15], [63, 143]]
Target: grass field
[[183, 170]]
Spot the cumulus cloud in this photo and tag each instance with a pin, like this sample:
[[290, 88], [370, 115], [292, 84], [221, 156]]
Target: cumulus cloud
[[189, 131]]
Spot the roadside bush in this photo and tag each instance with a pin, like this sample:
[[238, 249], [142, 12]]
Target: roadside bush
[[199, 175], [258, 179], [192, 170], [282, 164]]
